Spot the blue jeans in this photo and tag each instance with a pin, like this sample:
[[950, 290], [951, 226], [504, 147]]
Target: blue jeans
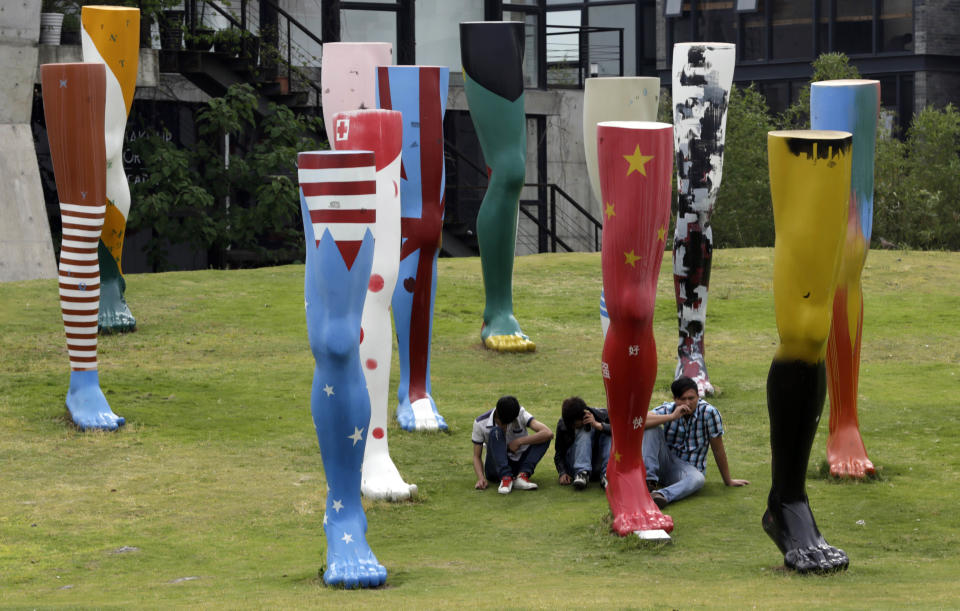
[[590, 452], [679, 478], [498, 464]]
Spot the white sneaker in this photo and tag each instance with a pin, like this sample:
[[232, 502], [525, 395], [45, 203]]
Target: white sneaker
[[506, 485], [523, 482], [580, 480]]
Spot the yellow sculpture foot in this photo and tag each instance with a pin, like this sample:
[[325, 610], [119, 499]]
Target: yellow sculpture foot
[[510, 343]]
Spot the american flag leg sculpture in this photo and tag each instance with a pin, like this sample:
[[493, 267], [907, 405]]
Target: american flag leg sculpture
[[636, 160], [337, 199], [420, 93], [73, 105], [379, 131]]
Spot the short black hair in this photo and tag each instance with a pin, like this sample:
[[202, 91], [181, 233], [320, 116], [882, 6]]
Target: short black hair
[[682, 385], [508, 408], [572, 410]]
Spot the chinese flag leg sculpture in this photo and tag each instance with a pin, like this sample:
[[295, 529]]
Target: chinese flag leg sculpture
[[73, 103], [420, 93], [702, 76], [111, 36], [636, 160], [379, 131], [849, 105], [492, 55], [626, 98], [338, 199], [348, 76], [809, 185]]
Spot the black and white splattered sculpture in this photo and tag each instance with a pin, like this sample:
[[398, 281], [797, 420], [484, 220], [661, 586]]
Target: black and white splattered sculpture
[[702, 76]]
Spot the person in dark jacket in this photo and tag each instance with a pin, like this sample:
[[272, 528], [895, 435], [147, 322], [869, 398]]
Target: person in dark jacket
[[582, 446]]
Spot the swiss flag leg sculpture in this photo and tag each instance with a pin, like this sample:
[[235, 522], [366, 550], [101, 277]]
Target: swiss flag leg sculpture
[[347, 80], [852, 106], [338, 199], [635, 162], [420, 93], [379, 131], [73, 105]]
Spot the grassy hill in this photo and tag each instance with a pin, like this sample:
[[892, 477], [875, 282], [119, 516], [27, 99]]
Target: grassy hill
[[213, 493]]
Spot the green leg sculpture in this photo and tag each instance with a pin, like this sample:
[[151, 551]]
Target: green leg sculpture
[[492, 54]]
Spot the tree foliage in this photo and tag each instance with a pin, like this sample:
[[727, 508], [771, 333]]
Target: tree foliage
[[248, 206]]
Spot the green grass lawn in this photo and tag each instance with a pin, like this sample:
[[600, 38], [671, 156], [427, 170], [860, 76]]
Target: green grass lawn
[[213, 493]]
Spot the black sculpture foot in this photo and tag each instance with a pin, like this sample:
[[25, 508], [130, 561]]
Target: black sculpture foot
[[793, 529]]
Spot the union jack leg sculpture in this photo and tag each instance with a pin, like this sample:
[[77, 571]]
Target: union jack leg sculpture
[[420, 93], [73, 106], [636, 160], [338, 199]]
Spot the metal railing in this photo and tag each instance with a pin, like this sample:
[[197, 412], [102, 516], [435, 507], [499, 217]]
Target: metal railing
[[569, 63]]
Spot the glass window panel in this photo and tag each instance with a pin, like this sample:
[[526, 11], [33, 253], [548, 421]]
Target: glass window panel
[[680, 29], [753, 38], [896, 25], [746, 5], [563, 47], [369, 26], [823, 27], [717, 22], [853, 31], [604, 47], [673, 8], [649, 41], [438, 44], [792, 29]]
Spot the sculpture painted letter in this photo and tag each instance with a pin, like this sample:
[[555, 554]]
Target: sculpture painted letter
[[492, 55], [809, 185], [852, 106], [702, 77], [338, 199], [379, 131], [111, 36], [636, 160], [73, 103], [420, 93], [627, 98]]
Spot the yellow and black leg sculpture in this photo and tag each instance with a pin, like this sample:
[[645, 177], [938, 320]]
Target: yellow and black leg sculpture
[[809, 185]]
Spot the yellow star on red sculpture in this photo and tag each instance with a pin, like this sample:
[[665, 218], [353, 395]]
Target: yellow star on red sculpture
[[609, 211], [637, 161], [661, 233], [617, 456], [632, 258]]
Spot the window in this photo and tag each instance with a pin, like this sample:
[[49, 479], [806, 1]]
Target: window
[[896, 25], [673, 8], [753, 37], [716, 22], [853, 32], [792, 29], [604, 47]]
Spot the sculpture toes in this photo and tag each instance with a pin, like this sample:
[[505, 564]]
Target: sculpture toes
[[518, 342]]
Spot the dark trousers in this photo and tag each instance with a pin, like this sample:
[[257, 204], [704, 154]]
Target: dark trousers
[[498, 465]]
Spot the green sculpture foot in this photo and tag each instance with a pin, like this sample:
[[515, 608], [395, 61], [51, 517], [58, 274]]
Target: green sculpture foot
[[503, 334], [114, 316]]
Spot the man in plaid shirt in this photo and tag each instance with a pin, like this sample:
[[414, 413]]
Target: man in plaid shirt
[[675, 454]]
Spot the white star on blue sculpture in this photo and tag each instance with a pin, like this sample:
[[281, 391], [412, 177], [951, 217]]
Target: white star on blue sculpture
[[357, 435], [337, 505], [328, 389], [347, 538]]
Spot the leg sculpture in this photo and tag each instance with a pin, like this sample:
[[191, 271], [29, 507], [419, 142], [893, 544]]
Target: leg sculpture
[[627, 98], [337, 199], [73, 103], [379, 131], [809, 185], [348, 78], [636, 160], [420, 93], [702, 76], [492, 54], [111, 36], [849, 105]]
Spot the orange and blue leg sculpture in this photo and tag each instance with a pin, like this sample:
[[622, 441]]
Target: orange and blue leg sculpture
[[809, 185], [635, 163], [849, 105], [73, 105]]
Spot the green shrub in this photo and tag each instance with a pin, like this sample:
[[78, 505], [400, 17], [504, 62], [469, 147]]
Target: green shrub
[[250, 209]]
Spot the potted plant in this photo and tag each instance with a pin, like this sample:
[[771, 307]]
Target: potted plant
[[51, 21], [201, 39]]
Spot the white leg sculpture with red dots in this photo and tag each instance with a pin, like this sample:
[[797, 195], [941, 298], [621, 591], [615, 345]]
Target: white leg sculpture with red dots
[[338, 202], [379, 131]]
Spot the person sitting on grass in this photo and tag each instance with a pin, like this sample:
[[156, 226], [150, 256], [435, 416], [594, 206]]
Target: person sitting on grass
[[675, 454], [582, 448], [512, 453]]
